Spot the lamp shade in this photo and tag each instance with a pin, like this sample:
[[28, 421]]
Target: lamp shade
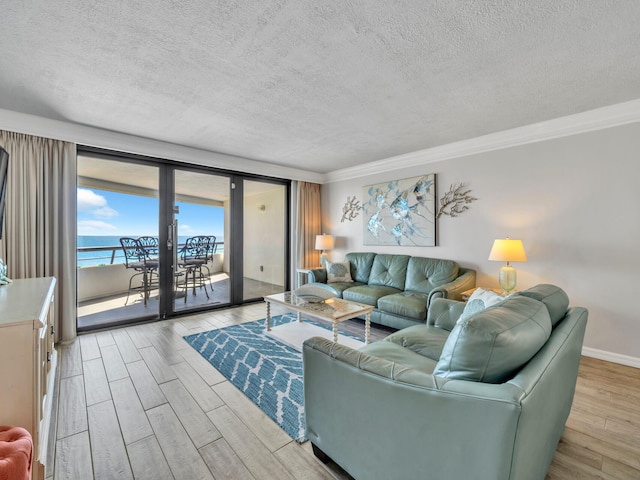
[[508, 250], [324, 242]]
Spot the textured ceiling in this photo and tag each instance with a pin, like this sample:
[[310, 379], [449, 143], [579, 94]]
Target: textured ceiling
[[317, 85]]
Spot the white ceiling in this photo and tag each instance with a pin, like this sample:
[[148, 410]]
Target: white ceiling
[[316, 85]]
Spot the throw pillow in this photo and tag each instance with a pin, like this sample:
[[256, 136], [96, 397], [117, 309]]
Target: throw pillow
[[338, 272], [479, 300]]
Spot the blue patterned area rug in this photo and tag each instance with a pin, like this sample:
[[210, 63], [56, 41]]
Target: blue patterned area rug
[[268, 371]]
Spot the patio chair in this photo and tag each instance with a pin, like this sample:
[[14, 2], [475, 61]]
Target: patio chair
[[212, 246], [193, 257], [210, 253], [137, 259], [150, 246]]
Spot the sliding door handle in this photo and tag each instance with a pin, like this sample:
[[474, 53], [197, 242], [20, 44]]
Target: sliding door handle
[[170, 236]]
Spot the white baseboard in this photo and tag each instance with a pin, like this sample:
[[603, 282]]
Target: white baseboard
[[611, 357]]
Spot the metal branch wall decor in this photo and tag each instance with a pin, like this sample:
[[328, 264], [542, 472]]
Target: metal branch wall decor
[[400, 212], [351, 209], [455, 201]]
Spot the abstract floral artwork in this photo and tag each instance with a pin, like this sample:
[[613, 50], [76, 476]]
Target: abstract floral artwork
[[400, 212]]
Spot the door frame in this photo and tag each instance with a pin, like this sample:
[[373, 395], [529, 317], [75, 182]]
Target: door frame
[[166, 196]]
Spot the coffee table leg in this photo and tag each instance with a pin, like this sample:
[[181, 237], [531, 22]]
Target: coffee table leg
[[268, 316], [335, 331], [367, 328]]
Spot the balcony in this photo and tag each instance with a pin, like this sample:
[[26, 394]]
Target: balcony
[[102, 289]]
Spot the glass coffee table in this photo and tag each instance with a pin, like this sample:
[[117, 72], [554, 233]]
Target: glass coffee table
[[334, 310]]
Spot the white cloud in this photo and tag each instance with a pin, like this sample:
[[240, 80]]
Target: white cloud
[[88, 199], [105, 212], [92, 227], [185, 229]]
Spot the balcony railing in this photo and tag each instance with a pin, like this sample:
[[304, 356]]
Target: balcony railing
[[114, 255]]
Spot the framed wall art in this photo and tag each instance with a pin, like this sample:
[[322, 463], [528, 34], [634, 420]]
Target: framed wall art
[[400, 212]]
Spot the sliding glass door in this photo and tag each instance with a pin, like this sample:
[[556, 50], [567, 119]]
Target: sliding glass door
[[158, 239], [264, 238], [117, 277], [201, 256], [230, 238]]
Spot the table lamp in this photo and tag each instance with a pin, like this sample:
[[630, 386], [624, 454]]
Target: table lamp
[[324, 242], [507, 250]]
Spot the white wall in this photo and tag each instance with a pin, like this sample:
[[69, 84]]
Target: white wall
[[573, 201], [264, 236], [100, 281]]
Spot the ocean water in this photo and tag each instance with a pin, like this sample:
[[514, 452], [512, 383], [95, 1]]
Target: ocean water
[[88, 259]]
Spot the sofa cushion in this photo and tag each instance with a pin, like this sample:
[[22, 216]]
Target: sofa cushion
[[425, 274], [338, 272], [389, 270], [368, 294], [493, 344], [339, 287], [405, 304], [425, 340], [395, 353], [553, 297], [360, 263]]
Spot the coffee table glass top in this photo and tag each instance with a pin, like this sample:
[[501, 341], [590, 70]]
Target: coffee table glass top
[[332, 308]]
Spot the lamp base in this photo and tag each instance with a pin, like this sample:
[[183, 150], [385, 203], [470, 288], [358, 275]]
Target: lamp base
[[507, 278], [323, 259]]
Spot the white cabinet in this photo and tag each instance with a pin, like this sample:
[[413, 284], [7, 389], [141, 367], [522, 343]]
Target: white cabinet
[[28, 360]]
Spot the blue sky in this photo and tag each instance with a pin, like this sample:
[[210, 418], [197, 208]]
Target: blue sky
[[109, 213]]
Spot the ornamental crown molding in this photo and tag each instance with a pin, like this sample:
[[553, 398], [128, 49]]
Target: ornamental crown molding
[[592, 120], [597, 119]]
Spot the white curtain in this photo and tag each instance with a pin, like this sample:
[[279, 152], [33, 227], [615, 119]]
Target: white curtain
[[309, 220], [39, 235]]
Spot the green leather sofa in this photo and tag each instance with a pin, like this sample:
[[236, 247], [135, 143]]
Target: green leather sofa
[[486, 397], [401, 287]]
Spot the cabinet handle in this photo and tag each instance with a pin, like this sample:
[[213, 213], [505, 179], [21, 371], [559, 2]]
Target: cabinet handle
[[48, 356], [53, 330]]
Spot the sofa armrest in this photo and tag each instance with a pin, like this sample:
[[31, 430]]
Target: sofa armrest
[[444, 313], [453, 290], [317, 275]]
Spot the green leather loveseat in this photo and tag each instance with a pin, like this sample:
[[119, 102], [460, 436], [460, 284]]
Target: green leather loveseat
[[486, 397], [401, 287]]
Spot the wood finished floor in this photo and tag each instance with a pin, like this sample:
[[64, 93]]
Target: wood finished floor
[[139, 402]]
